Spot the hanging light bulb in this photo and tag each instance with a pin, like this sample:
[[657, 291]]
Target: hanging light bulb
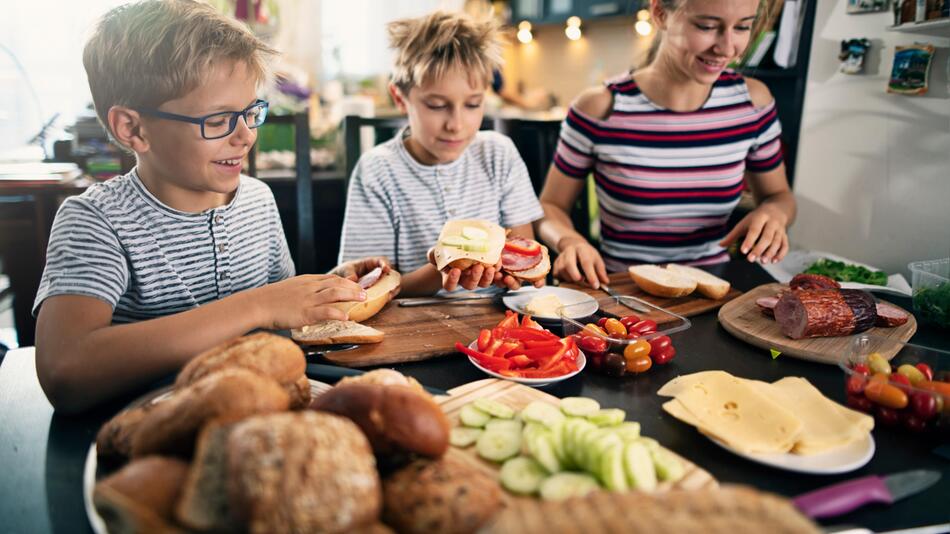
[[573, 28], [643, 27], [643, 14], [524, 32]]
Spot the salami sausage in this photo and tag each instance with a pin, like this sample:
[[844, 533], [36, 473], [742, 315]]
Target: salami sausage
[[512, 261], [370, 278], [825, 312], [767, 305], [889, 316], [812, 281]]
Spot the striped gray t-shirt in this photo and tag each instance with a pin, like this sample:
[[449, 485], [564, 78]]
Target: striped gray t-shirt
[[118, 243], [396, 206]]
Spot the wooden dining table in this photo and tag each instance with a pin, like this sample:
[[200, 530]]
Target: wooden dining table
[[42, 454]]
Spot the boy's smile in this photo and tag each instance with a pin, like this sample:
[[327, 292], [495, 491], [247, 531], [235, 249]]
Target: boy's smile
[[444, 116]]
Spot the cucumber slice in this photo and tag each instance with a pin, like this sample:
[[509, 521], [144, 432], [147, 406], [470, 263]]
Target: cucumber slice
[[541, 448], [522, 475], [612, 472], [495, 408], [628, 430], [475, 246], [596, 443], [666, 465], [474, 233], [511, 425], [543, 413], [565, 485], [462, 437], [455, 241], [471, 416], [579, 406], [649, 443], [557, 439], [607, 417], [639, 466], [578, 442], [499, 445]]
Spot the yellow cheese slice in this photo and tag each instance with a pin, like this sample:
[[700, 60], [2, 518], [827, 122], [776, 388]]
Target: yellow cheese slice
[[682, 383], [444, 255]]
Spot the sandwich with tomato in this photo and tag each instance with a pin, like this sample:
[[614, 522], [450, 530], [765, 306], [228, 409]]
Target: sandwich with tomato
[[465, 242]]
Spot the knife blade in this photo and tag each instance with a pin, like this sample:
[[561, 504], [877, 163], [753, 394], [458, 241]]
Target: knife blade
[[844, 497], [334, 373], [406, 303], [629, 302]]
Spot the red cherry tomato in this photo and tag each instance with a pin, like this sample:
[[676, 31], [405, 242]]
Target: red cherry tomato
[[629, 321], [898, 378], [601, 322], [861, 368], [924, 405], [660, 343], [592, 345], [664, 356], [855, 384], [926, 370], [646, 326], [860, 403], [633, 335], [887, 416]]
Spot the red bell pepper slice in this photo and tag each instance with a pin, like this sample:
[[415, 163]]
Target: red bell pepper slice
[[510, 320], [520, 361], [532, 249], [524, 334], [505, 348], [566, 344], [484, 339], [535, 344], [494, 364], [528, 322]]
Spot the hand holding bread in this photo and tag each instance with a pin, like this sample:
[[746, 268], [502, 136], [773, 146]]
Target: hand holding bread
[[304, 299]]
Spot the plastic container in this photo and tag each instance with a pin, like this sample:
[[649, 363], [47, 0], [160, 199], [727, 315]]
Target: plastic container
[[666, 323], [930, 282], [921, 407]]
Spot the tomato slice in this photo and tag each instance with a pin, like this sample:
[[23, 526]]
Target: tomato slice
[[532, 249]]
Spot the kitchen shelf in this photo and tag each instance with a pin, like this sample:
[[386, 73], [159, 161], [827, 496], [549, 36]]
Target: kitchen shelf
[[936, 27]]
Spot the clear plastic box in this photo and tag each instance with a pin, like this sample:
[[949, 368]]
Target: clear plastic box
[[622, 306], [910, 418], [930, 281]]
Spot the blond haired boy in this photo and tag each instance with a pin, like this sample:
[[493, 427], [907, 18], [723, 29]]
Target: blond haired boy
[[441, 166], [148, 269]]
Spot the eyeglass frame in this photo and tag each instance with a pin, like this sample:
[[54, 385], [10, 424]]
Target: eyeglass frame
[[200, 121]]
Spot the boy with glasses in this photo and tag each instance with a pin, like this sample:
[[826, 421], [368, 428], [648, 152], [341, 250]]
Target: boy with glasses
[[149, 269]]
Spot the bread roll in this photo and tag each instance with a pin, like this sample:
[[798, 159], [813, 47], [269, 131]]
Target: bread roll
[[114, 440], [658, 281], [538, 272], [331, 332], [267, 354], [140, 497], [396, 419], [446, 496], [709, 285], [302, 472], [377, 296], [204, 504], [385, 377], [172, 425]]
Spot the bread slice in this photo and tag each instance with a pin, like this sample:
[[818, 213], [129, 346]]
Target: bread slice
[[333, 331], [537, 272], [708, 285], [661, 282]]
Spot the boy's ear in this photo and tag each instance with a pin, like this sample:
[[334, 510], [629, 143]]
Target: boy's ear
[[398, 98], [659, 14], [126, 127]]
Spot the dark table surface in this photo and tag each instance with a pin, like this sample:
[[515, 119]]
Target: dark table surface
[[42, 454]]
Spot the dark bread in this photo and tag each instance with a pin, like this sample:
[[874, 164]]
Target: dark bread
[[204, 503], [267, 354], [140, 497], [396, 419], [301, 472], [445, 495], [172, 425]]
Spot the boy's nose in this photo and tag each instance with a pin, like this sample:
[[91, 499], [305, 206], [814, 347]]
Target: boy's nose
[[242, 134]]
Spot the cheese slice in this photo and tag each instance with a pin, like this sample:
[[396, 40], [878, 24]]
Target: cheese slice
[[444, 255], [682, 383]]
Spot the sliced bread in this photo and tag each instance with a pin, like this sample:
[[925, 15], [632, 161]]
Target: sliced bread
[[661, 282], [708, 285], [332, 332]]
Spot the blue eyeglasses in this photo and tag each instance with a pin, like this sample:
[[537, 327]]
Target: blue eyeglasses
[[221, 124]]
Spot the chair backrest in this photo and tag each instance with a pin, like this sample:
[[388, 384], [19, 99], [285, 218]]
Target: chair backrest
[[384, 129]]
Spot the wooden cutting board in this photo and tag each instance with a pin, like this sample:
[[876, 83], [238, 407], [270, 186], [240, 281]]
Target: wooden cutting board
[[518, 396], [743, 319]]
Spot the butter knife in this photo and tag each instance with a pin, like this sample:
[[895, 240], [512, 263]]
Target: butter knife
[[407, 303], [629, 301]]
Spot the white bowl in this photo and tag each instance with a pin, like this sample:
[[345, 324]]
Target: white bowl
[[534, 382]]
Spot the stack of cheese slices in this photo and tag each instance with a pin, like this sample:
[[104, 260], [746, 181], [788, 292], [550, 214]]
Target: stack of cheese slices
[[753, 417]]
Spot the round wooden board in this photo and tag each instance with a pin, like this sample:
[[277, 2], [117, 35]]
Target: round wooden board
[[742, 318]]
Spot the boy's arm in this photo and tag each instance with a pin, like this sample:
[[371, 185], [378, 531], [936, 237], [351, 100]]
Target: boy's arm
[[82, 359]]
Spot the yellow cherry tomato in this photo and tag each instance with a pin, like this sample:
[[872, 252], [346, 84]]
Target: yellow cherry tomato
[[640, 347], [590, 329], [615, 328]]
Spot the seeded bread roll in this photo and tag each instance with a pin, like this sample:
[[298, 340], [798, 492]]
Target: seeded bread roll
[[140, 497], [172, 425], [270, 355], [445, 495], [302, 472]]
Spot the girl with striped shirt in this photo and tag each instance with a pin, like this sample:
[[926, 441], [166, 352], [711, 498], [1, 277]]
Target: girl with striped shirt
[[671, 147]]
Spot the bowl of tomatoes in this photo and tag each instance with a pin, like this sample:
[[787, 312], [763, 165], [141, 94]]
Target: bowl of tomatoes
[[626, 336], [911, 391]]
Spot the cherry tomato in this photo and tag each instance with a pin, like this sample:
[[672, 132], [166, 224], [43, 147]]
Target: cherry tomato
[[924, 405], [629, 321], [887, 416], [596, 360], [639, 364], [633, 335], [901, 379], [601, 321], [638, 348], [861, 368], [660, 343], [590, 329], [855, 384], [615, 328], [860, 403], [878, 364], [614, 364], [914, 423], [646, 326], [664, 356], [926, 370], [592, 345], [885, 394]]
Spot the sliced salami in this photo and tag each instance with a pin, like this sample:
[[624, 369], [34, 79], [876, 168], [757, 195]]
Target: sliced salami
[[889, 315], [514, 262], [370, 278], [812, 281], [824, 312]]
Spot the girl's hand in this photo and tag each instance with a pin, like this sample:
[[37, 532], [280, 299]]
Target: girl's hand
[[766, 239], [578, 261]]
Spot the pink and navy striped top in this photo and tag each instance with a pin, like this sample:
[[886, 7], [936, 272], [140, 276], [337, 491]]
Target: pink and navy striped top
[[667, 181]]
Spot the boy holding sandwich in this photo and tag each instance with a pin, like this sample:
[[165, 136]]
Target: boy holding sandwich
[[440, 167], [148, 269]]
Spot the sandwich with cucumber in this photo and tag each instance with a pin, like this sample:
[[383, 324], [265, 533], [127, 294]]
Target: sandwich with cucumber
[[466, 242]]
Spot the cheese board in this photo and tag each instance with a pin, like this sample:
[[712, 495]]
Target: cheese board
[[742, 318]]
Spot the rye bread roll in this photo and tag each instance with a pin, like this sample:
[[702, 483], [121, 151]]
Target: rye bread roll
[[172, 425], [267, 354], [301, 472], [140, 497], [398, 420]]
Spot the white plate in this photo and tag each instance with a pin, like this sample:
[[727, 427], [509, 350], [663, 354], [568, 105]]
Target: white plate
[[840, 460], [534, 382], [582, 304]]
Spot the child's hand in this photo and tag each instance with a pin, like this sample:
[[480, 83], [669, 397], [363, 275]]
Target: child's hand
[[353, 270], [475, 276], [766, 239], [578, 261], [512, 283], [303, 300]]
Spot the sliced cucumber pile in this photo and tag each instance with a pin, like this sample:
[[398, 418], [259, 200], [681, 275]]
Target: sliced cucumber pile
[[564, 451]]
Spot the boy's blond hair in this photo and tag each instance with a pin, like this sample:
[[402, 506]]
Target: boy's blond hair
[[429, 47], [146, 53]]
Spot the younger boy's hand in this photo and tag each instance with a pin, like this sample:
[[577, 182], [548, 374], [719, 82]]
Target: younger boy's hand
[[475, 276], [304, 300]]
